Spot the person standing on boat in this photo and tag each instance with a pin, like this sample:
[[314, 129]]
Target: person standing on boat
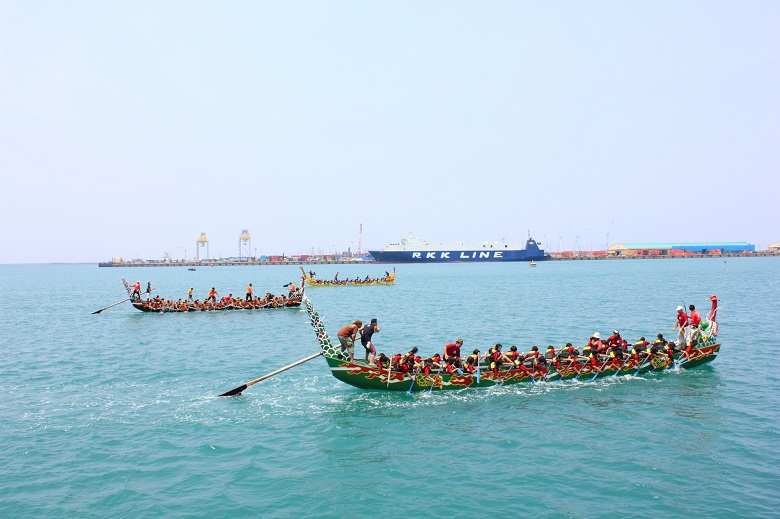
[[212, 295], [336, 277], [149, 291], [695, 317], [452, 351], [189, 294], [249, 292], [365, 339], [681, 323], [136, 291], [347, 337]]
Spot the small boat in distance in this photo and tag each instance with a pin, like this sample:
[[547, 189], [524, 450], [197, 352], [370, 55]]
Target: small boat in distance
[[533, 263], [191, 268]]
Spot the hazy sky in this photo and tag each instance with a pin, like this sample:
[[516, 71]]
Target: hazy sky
[[128, 128]]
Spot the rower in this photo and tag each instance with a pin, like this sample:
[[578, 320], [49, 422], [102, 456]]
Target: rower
[[615, 338], [515, 357], [382, 361]]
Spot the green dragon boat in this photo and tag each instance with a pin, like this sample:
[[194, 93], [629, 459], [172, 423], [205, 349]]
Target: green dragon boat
[[365, 376]]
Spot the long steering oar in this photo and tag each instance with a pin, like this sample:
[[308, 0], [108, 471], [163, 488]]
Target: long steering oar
[[117, 303], [109, 306], [240, 389]]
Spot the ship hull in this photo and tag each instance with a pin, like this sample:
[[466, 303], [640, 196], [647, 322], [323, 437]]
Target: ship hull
[[456, 256]]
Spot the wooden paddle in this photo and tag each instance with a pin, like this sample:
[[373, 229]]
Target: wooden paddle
[[240, 389], [642, 365], [579, 371], [600, 369], [412, 385], [550, 376], [621, 366]]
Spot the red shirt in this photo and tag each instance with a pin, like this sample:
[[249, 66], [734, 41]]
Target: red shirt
[[695, 318], [682, 319], [451, 350], [614, 339], [348, 331]]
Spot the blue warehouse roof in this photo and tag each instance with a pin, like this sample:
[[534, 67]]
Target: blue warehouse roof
[[694, 246]]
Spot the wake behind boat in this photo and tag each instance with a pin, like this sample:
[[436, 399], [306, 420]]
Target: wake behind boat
[[702, 347]]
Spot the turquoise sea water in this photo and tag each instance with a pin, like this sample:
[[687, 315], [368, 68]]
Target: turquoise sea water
[[115, 414]]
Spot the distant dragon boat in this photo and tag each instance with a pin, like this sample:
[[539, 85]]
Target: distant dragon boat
[[293, 301], [389, 279], [364, 376]]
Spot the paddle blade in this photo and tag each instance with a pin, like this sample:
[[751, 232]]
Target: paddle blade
[[236, 391]]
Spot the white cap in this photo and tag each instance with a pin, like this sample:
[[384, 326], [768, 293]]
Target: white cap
[[616, 332], [597, 335], [679, 308]]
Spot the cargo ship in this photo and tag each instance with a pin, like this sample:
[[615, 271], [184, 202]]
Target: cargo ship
[[416, 250]]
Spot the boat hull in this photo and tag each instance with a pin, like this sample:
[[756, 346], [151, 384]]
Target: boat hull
[[144, 307], [455, 256], [416, 251], [363, 376]]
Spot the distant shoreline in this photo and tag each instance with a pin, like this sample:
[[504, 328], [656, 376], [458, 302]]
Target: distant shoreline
[[289, 262], [761, 254]]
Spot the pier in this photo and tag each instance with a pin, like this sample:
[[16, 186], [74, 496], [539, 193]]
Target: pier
[[287, 261]]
